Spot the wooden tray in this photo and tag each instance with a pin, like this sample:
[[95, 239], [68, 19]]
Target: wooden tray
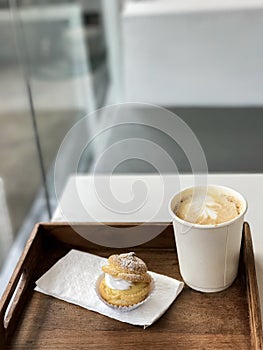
[[225, 320]]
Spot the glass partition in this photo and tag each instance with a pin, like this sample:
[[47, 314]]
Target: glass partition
[[53, 69], [20, 172]]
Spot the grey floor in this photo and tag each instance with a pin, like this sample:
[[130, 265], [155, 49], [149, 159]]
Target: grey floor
[[231, 138]]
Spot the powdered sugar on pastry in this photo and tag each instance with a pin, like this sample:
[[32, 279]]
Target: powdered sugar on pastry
[[129, 262], [127, 266]]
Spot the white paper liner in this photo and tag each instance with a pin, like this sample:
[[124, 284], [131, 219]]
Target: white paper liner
[[122, 308]]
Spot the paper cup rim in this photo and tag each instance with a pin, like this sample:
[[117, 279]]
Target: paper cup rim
[[226, 223], [122, 308]]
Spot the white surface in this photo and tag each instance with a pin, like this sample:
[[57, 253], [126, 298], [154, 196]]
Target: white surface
[[42, 13], [67, 280], [158, 7], [178, 53], [156, 208]]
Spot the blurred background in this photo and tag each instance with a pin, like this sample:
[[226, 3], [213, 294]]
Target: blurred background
[[62, 60]]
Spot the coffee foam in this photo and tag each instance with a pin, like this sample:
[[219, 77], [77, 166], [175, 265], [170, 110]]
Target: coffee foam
[[208, 208]]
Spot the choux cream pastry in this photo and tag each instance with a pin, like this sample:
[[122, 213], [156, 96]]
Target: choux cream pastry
[[126, 281]]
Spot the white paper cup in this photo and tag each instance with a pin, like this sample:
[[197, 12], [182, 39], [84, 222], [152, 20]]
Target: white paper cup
[[208, 254]]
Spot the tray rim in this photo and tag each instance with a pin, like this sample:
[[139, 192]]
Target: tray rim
[[8, 324]]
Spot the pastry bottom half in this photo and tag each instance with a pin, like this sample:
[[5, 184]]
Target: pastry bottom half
[[134, 295]]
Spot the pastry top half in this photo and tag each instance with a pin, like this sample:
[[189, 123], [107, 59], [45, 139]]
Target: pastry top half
[[128, 267]]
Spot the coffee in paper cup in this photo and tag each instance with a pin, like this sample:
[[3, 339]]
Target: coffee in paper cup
[[208, 225]]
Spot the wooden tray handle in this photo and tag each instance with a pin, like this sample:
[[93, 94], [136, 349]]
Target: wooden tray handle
[[12, 304], [252, 290], [13, 299]]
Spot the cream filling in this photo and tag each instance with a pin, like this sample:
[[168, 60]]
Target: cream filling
[[117, 283]]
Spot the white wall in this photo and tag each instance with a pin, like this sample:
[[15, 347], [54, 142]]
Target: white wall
[[178, 53]]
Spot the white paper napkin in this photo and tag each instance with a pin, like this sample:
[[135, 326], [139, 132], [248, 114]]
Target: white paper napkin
[[73, 279]]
